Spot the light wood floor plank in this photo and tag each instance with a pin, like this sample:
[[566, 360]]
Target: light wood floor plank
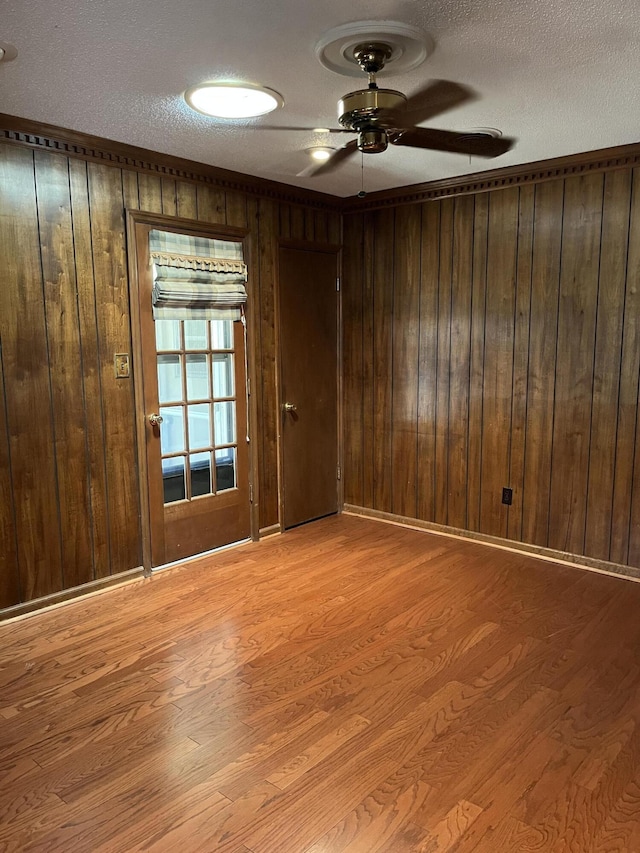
[[348, 687]]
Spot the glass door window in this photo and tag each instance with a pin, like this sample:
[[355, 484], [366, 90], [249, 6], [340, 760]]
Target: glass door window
[[198, 434]]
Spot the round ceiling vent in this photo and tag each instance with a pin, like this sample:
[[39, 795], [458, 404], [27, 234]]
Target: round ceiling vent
[[409, 46]]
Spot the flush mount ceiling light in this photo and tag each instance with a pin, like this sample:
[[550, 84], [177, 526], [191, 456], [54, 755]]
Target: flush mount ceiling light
[[232, 100]]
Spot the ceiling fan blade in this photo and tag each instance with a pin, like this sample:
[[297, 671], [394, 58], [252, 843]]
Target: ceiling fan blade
[[436, 97], [329, 165], [478, 145]]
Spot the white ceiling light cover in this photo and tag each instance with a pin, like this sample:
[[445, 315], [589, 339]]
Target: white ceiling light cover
[[233, 100]]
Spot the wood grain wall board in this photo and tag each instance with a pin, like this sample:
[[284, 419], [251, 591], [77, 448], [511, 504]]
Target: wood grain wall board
[[309, 224], [476, 364], [406, 339], [443, 360], [545, 282], [628, 390], [581, 235], [9, 574], [335, 228], [284, 221], [268, 415], [458, 439], [428, 359], [150, 193], [353, 374], [169, 197], [502, 251], [130, 189], [27, 381], [65, 364], [236, 207], [91, 368], [606, 372], [384, 225], [297, 218], [368, 355], [519, 394], [625, 535], [186, 201], [211, 205], [114, 334], [321, 226]]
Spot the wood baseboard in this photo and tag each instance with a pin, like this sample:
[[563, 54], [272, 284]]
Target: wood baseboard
[[549, 554], [67, 596]]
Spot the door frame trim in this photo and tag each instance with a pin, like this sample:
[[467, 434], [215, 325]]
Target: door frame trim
[[327, 249], [136, 217]]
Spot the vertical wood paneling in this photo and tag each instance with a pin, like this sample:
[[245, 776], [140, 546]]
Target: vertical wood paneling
[[368, 358], [384, 224], [150, 193], [476, 364], [236, 205], [96, 473], [268, 414], [581, 233], [169, 199], [186, 201], [27, 381], [352, 270], [625, 535], [428, 355], [109, 263], [498, 358], [210, 205], [406, 337], [297, 218], [606, 369], [9, 575], [458, 443], [522, 324], [443, 360], [545, 281], [64, 356]]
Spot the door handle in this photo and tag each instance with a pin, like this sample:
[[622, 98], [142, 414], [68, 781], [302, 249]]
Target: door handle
[[289, 407], [155, 420]]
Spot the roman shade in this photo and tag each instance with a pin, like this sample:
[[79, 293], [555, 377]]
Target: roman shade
[[196, 278]]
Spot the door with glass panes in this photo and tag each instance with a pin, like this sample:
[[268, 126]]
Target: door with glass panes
[[196, 428]]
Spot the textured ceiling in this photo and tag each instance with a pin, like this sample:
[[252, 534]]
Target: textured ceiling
[[560, 75]]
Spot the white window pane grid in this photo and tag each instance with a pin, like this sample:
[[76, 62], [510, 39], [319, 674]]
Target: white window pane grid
[[196, 387]]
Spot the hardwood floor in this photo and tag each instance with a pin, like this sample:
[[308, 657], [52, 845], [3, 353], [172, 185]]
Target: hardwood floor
[[349, 686]]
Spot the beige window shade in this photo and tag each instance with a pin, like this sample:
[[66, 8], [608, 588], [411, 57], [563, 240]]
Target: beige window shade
[[195, 278]]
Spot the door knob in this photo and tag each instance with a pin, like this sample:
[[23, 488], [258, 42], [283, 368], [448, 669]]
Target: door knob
[[155, 420], [289, 407]]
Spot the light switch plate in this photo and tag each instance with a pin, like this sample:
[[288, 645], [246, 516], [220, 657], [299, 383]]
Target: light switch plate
[[121, 361]]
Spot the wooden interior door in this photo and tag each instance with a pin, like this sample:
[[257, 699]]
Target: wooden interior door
[[195, 427], [309, 358]]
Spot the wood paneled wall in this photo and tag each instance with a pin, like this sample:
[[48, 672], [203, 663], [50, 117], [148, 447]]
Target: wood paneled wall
[[494, 340], [69, 501]]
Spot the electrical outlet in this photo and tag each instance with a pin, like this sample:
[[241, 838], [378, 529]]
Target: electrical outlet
[[507, 496]]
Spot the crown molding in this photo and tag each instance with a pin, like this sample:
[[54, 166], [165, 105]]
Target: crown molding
[[36, 135], [605, 159]]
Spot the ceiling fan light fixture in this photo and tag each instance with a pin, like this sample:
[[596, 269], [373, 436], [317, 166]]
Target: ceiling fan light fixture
[[233, 100]]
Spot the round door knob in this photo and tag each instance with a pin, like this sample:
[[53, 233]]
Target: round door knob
[[289, 407], [155, 420]]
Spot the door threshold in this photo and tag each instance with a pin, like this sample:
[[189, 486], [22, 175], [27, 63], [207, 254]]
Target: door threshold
[[199, 556]]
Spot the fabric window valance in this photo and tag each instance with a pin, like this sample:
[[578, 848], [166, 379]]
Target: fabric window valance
[[196, 278]]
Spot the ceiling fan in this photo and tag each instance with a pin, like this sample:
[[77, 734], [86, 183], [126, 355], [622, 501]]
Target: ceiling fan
[[381, 117]]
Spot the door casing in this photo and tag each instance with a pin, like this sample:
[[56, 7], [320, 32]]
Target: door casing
[[156, 220]]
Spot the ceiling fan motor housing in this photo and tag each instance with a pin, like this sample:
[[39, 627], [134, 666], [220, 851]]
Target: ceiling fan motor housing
[[370, 107]]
